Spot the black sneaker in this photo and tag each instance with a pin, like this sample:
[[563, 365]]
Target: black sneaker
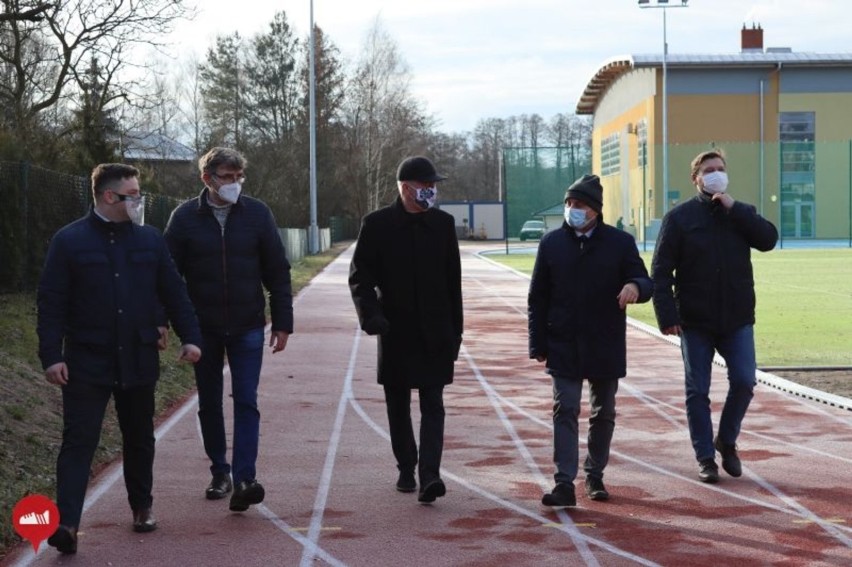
[[561, 496], [595, 489], [406, 482], [432, 490], [708, 471], [245, 494], [219, 487], [730, 459]]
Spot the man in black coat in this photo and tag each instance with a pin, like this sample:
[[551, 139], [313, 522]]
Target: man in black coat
[[105, 283], [405, 279], [585, 275], [227, 247], [704, 292]]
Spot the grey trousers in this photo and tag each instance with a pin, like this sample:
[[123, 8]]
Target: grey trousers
[[567, 394]]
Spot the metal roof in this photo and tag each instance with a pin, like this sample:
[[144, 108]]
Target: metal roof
[[615, 67], [152, 146]]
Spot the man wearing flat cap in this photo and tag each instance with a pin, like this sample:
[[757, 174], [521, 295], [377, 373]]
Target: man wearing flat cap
[[405, 279], [585, 275]]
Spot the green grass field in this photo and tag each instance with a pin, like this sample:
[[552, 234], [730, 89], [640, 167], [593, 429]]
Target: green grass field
[[804, 305]]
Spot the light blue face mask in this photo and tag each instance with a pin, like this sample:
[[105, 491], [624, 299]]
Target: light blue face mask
[[576, 218]]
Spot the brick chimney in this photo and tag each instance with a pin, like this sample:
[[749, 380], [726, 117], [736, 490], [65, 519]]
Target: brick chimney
[[752, 39]]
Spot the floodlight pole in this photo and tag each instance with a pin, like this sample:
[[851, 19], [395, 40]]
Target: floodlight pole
[[313, 230], [664, 4]]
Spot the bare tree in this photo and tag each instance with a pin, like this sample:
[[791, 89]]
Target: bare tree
[[41, 57]]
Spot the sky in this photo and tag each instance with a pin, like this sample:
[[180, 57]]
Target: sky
[[476, 59]]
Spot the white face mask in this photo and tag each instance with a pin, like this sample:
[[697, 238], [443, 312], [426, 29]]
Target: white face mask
[[576, 218], [136, 210], [230, 192], [715, 182], [426, 197]]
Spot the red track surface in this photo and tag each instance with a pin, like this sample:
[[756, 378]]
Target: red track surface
[[329, 473]]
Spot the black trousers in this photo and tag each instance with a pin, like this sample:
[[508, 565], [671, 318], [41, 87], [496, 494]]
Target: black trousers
[[83, 408], [403, 443]]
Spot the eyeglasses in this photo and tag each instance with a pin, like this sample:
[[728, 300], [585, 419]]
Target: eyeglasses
[[132, 198], [230, 178]]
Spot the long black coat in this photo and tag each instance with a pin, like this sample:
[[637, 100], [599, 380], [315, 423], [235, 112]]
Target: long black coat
[[702, 265], [406, 269], [574, 317], [100, 300]]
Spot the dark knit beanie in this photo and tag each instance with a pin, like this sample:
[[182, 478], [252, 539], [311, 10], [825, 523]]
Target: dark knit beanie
[[589, 190]]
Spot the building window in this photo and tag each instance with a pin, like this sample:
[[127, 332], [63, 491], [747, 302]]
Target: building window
[[610, 154], [642, 136], [798, 164]]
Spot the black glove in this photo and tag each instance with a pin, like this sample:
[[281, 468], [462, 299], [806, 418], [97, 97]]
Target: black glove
[[376, 325]]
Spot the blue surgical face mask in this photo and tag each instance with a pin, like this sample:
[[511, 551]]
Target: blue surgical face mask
[[576, 218]]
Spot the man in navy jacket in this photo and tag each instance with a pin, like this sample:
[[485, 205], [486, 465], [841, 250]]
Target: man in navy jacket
[[227, 247], [105, 283], [585, 275], [704, 292]]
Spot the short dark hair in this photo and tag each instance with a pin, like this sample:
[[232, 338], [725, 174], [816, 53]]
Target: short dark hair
[[704, 156], [216, 157], [106, 175]]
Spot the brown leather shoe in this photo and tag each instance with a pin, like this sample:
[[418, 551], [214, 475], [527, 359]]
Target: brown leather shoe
[[143, 521], [64, 539]]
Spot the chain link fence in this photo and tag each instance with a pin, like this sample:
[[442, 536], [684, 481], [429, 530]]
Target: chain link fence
[[36, 203]]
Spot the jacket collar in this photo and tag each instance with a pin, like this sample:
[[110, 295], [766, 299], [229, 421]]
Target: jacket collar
[[108, 226]]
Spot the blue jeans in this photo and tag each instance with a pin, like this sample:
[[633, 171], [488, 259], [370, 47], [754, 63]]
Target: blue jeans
[[737, 348], [567, 393], [245, 356]]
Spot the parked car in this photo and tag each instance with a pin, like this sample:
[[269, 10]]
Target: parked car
[[532, 230]]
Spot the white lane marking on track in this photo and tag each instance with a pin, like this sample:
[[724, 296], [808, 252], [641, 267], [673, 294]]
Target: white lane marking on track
[[498, 500], [794, 510], [306, 542], [571, 529], [330, 456], [651, 401]]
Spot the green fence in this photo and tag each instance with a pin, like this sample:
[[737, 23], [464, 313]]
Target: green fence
[[803, 187], [36, 203], [535, 179]]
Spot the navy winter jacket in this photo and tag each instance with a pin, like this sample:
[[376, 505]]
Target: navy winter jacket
[[100, 300], [574, 317], [226, 272], [702, 265]]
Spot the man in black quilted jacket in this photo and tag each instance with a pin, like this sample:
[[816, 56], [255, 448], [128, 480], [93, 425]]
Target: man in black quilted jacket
[[227, 247], [704, 292]]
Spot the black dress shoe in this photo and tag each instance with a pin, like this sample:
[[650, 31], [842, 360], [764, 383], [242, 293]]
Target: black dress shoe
[[595, 489], [431, 491], [143, 521], [730, 459], [406, 482], [246, 493], [561, 496], [708, 471], [64, 539], [219, 487]]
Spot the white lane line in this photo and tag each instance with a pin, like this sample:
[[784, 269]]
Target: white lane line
[[651, 401], [330, 456], [793, 510], [565, 519], [306, 542], [497, 499]]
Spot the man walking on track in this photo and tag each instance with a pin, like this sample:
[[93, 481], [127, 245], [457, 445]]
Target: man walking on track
[[704, 292], [585, 275], [227, 247], [405, 279]]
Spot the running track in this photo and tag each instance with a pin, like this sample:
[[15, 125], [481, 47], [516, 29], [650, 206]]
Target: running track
[[329, 473]]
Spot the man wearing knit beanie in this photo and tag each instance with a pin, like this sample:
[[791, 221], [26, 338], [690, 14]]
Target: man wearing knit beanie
[[585, 275]]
